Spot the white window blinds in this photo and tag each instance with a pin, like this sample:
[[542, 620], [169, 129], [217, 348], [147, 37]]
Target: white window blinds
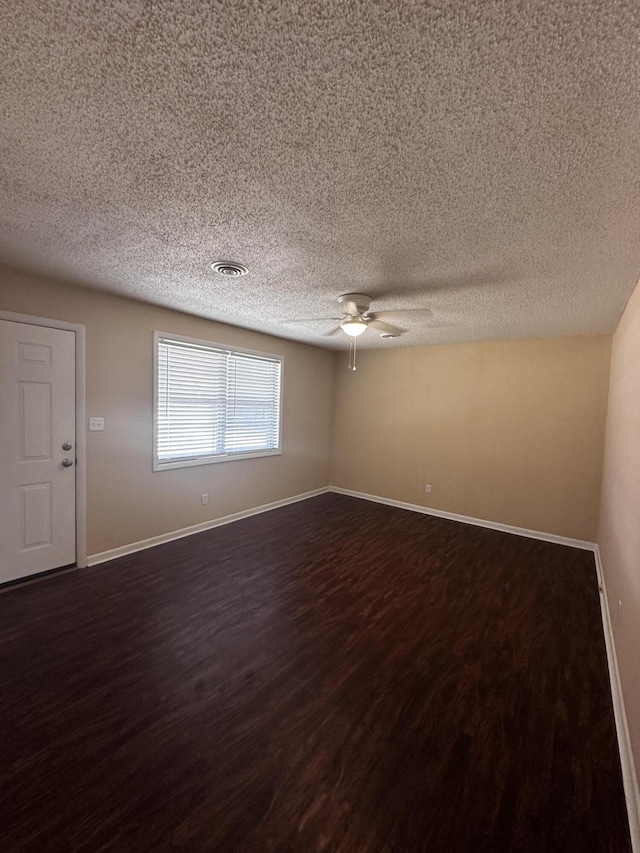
[[213, 403]]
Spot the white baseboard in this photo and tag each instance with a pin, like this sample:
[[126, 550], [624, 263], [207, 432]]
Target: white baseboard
[[467, 519], [629, 775], [122, 551]]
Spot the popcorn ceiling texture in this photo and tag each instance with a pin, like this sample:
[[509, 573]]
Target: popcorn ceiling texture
[[476, 158]]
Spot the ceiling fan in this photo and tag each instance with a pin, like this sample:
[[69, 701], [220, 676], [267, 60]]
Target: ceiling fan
[[357, 317]]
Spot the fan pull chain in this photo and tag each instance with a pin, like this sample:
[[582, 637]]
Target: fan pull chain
[[352, 353]]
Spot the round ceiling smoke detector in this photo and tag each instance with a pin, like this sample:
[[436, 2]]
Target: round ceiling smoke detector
[[232, 269]]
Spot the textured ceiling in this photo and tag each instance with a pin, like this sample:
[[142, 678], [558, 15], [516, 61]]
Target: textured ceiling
[[479, 159]]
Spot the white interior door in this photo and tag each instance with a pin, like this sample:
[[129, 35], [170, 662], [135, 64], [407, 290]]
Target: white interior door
[[37, 449]]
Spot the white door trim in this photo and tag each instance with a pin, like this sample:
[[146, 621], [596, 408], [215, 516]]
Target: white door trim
[[81, 454]]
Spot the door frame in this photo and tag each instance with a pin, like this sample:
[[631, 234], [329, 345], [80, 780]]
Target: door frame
[[81, 453]]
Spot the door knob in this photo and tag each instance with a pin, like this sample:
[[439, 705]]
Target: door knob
[[67, 463], [66, 446]]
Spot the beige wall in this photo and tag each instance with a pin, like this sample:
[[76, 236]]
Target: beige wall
[[126, 500], [619, 534], [509, 431]]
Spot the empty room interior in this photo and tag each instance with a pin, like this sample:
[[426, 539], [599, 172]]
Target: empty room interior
[[320, 426]]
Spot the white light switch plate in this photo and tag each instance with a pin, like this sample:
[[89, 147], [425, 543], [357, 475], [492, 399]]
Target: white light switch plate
[[96, 424]]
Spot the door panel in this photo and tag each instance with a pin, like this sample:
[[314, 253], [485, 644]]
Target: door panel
[[37, 493], [34, 419], [36, 515]]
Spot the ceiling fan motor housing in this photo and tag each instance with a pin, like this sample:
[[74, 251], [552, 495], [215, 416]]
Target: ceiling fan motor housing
[[354, 303]]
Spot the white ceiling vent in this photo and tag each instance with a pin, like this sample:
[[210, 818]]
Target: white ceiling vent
[[232, 269]]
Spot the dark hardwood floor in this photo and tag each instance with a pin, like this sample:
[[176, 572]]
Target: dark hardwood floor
[[334, 676]]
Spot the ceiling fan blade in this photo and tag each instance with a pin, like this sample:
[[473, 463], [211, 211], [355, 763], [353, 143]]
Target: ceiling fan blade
[[445, 282], [314, 320], [333, 331], [417, 313], [385, 328]]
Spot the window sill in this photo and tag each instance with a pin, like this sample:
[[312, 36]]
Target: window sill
[[212, 460]]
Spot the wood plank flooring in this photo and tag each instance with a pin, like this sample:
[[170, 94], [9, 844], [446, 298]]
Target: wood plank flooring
[[334, 676]]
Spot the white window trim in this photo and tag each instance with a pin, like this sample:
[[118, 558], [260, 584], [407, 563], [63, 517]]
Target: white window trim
[[209, 460]]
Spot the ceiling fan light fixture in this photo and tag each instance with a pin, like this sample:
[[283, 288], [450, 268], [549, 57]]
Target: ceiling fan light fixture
[[354, 326]]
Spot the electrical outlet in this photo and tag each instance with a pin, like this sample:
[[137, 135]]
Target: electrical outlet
[[96, 424], [205, 499], [428, 488]]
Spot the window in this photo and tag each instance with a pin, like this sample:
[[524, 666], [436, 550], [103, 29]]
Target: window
[[213, 404]]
